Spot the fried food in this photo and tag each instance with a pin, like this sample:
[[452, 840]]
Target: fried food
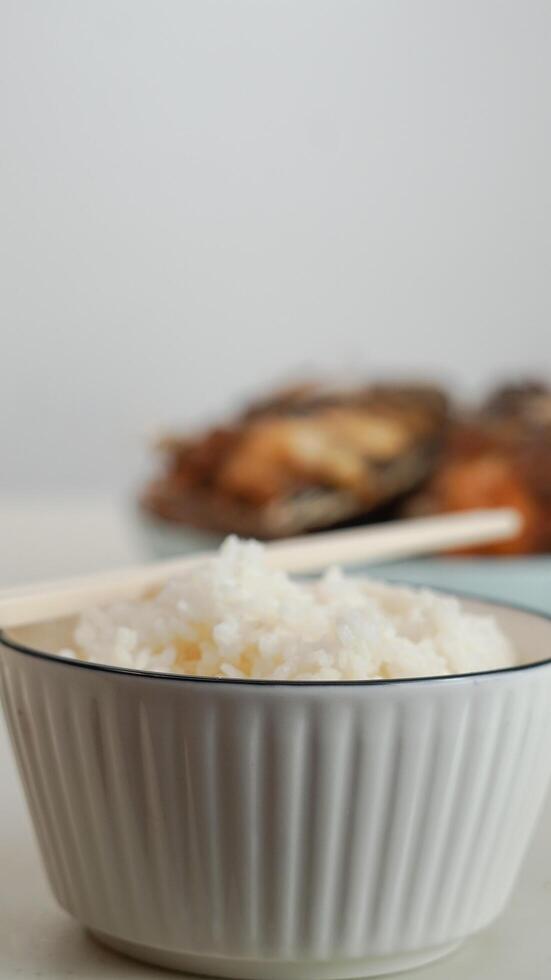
[[499, 456], [305, 458]]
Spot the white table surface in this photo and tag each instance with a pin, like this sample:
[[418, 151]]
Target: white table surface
[[37, 939]]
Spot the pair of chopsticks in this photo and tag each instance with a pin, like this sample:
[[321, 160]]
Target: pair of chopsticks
[[23, 605]]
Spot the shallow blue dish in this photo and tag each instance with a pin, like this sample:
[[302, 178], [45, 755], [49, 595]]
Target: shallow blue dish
[[526, 581]]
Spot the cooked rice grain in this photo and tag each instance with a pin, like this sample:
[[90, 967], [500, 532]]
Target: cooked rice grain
[[232, 616]]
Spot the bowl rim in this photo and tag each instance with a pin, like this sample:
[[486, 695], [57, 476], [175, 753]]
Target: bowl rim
[[447, 679]]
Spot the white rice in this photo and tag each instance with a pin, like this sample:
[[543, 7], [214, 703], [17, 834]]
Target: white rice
[[232, 616]]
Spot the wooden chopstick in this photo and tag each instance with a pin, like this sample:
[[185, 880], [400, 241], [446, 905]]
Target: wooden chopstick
[[34, 603]]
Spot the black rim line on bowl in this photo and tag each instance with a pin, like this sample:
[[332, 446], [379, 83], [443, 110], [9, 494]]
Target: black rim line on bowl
[[267, 682]]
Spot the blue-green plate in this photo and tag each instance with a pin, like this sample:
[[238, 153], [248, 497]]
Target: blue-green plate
[[526, 581]]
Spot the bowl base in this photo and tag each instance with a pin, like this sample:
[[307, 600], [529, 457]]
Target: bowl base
[[249, 969]]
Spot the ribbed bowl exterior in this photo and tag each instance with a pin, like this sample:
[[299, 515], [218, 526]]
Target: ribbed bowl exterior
[[294, 823]]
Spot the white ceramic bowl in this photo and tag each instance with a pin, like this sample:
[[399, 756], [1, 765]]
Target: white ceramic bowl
[[297, 830]]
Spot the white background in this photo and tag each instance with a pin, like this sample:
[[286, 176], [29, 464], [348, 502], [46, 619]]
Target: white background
[[200, 196]]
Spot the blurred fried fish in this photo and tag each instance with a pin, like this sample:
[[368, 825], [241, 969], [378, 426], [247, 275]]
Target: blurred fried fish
[[305, 458], [499, 456]]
